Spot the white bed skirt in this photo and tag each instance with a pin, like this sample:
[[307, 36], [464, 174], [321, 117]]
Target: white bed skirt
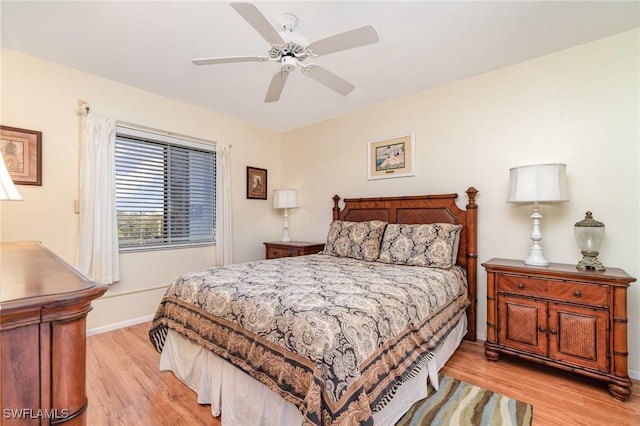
[[247, 402]]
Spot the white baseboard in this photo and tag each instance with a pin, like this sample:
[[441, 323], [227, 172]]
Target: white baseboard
[[117, 325]]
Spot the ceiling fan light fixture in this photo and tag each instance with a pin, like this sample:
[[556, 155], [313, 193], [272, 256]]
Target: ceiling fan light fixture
[[288, 63]]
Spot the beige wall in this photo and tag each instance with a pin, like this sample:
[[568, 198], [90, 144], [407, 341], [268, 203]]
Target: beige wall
[[579, 107], [43, 96]]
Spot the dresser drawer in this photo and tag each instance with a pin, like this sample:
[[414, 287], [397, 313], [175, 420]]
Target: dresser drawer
[[558, 290], [276, 252], [578, 293], [276, 249], [522, 285]]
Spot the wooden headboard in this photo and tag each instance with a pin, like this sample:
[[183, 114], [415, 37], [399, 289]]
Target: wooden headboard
[[440, 208]]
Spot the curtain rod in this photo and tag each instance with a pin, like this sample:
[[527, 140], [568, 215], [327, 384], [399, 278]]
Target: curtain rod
[[84, 109], [163, 132]]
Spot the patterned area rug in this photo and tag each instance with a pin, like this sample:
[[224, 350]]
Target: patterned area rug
[[458, 403]]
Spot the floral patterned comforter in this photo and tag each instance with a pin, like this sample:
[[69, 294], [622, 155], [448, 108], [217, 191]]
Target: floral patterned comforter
[[332, 335]]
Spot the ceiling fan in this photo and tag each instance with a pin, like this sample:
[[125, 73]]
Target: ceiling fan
[[291, 50]]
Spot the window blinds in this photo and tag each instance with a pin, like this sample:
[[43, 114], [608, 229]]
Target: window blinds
[[165, 192]]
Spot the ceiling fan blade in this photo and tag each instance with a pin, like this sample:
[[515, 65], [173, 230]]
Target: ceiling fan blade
[[228, 60], [329, 79], [346, 40], [276, 86], [252, 15]]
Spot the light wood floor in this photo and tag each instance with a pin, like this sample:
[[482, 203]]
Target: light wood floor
[[125, 387]]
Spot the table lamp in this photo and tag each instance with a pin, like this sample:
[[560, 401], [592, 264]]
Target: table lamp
[[539, 183], [285, 199]]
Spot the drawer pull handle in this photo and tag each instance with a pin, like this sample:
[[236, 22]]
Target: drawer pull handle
[[552, 331], [542, 329], [520, 286], [577, 293]]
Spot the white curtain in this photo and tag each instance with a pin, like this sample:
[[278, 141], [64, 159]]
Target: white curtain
[[224, 246], [97, 255]]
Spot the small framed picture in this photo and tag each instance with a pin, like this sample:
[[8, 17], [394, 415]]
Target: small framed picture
[[256, 183], [22, 153], [392, 157]]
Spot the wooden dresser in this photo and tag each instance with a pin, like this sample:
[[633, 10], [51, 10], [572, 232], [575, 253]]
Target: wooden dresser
[[276, 249], [43, 309], [560, 316]]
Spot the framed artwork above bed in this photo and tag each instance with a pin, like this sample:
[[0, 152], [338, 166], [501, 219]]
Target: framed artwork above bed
[[392, 157]]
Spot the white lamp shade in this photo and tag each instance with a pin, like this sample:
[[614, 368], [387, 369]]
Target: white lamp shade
[[8, 190], [538, 183], [285, 198]]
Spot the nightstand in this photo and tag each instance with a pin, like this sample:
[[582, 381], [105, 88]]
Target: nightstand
[[562, 317], [276, 249]]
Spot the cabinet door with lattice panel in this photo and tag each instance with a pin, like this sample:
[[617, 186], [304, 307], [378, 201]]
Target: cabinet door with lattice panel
[[522, 324], [578, 335]]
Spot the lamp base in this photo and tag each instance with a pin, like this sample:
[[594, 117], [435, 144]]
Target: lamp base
[[536, 256], [590, 262], [536, 259], [285, 233]]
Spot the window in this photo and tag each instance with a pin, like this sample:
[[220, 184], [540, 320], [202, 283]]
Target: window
[[165, 191]]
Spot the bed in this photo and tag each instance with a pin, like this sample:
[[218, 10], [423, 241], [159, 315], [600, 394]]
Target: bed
[[348, 336]]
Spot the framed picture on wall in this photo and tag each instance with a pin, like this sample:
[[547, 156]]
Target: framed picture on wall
[[392, 157], [256, 183], [22, 153]]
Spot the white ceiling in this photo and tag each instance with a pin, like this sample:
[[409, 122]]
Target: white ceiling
[[423, 44]]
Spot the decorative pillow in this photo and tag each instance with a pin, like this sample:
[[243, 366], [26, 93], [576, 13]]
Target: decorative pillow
[[432, 245], [359, 240]]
